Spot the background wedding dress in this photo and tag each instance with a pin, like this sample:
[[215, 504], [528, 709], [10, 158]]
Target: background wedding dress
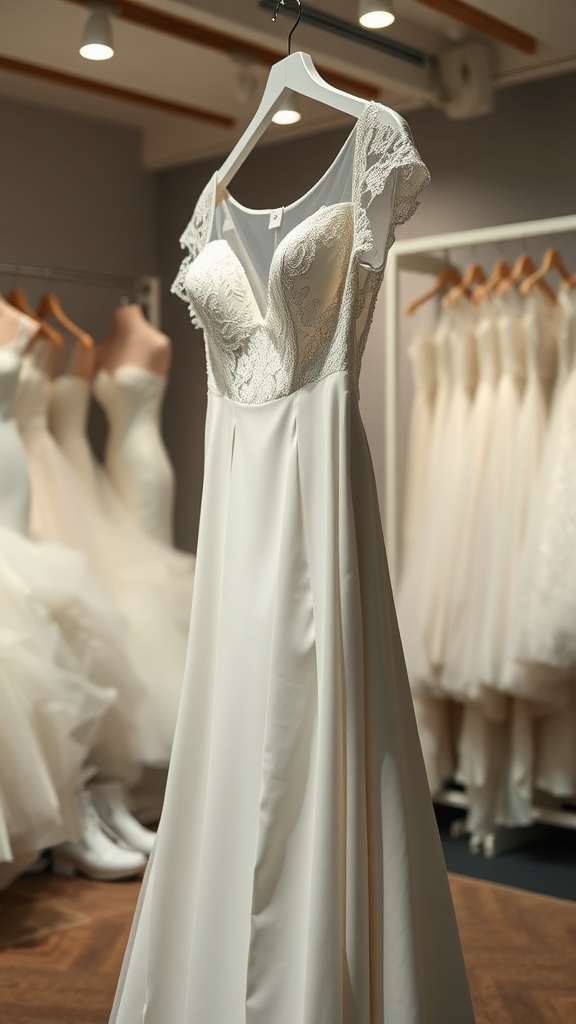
[[136, 460], [65, 510], [52, 711], [298, 874]]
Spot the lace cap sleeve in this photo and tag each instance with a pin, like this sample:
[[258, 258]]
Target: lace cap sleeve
[[385, 156], [195, 237]]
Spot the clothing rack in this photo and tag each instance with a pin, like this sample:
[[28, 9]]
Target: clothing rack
[[145, 290], [429, 255]]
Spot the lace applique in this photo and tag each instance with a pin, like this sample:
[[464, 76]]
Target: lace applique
[[380, 150], [321, 297], [194, 239]]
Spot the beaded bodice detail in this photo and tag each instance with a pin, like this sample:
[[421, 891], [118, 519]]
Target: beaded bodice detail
[[273, 325]]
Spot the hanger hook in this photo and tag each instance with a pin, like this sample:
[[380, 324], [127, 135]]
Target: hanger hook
[[282, 3]]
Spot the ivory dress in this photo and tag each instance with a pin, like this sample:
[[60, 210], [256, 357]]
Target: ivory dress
[[151, 657], [136, 460], [51, 712], [298, 876]]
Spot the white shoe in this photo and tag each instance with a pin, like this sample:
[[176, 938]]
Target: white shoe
[[95, 855], [110, 803]]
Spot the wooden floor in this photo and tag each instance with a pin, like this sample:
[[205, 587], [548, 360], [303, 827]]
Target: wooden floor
[[520, 951]]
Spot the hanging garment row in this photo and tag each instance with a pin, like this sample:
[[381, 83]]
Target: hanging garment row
[[95, 599], [486, 597]]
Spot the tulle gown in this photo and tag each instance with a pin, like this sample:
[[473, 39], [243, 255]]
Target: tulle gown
[[456, 457], [153, 634], [485, 734], [297, 874], [136, 460], [418, 567], [544, 619], [51, 712], [422, 356], [473, 506]]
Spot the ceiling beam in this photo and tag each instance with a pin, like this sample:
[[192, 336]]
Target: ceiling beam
[[189, 31], [114, 92], [484, 23]]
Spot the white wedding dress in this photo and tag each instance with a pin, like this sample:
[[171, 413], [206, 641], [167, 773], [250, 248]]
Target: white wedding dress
[[51, 712], [422, 354], [136, 460], [418, 563], [473, 506], [298, 874], [150, 606], [543, 636]]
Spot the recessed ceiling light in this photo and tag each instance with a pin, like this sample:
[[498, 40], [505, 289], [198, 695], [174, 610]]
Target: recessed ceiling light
[[376, 13]]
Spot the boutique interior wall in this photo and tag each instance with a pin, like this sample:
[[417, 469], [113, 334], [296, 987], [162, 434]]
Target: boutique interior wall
[[516, 164], [73, 194]]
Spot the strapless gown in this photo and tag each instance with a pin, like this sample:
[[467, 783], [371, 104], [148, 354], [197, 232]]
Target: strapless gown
[[52, 713], [136, 460]]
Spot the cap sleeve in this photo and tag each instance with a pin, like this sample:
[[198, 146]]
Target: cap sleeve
[[195, 237], [389, 176]]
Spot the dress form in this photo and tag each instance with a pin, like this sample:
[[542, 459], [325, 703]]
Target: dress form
[[130, 383], [133, 340]]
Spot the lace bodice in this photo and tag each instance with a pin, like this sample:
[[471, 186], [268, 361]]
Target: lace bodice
[[286, 297]]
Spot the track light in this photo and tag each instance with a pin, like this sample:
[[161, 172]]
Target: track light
[[288, 112], [97, 42], [376, 13]]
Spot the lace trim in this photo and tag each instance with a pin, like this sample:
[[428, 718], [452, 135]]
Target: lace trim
[[194, 238], [383, 147]]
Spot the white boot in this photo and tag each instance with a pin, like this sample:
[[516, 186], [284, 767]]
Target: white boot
[[110, 802], [95, 855]]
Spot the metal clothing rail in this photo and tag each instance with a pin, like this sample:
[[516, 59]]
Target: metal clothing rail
[[143, 289], [429, 255]]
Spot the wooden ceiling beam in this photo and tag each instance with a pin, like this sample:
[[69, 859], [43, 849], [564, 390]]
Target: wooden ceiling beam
[[501, 31], [114, 92], [189, 31]]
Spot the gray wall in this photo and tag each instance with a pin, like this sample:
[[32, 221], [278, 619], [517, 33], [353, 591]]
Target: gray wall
[[518, 163], [73, 194]]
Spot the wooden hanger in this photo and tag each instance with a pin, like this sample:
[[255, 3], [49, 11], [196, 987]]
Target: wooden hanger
[[523, 268], [17, 298], [49, 305], [448, 276], [474, 275], [570, 283], [551, 260], [499, 271], [295, 73]]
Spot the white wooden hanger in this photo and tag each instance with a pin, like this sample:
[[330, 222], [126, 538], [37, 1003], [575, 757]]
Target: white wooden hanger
[[295, 73]]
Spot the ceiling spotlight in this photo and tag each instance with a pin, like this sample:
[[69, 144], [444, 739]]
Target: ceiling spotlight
[[376, 13], [288, 112], [97, 42]]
